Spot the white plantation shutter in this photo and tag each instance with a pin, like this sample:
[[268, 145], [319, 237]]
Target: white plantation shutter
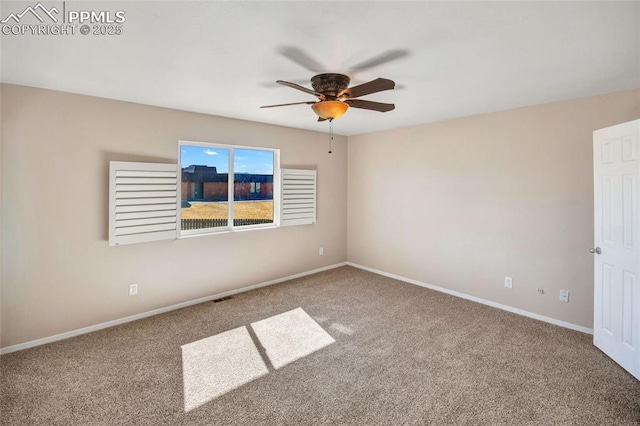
[[143, 202], [298, 199]]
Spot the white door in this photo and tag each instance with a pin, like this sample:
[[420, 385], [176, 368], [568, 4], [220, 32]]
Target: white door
[[616, 169]]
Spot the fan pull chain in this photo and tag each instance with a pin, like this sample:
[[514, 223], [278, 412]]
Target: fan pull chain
[[331, 133]]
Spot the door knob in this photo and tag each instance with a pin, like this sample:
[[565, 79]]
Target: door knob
[[596, 250]]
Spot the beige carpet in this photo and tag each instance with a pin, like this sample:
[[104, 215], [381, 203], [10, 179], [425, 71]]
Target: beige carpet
[[341, 347]]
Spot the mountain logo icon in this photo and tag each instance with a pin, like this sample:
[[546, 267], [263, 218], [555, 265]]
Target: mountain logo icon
[[38, 11]]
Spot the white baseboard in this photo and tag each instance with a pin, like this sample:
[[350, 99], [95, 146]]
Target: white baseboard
[[125, 320], [477, 299]]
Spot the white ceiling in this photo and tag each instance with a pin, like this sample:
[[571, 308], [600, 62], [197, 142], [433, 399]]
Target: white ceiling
[[452, 58]]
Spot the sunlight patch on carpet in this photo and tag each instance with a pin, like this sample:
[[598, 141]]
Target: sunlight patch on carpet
[[290, 336], [218, 364], [213, 366]]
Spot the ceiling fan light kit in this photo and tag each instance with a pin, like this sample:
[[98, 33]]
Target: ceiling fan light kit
[[329, 110]]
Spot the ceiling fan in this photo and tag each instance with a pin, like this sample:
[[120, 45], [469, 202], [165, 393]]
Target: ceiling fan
[[335, 96]]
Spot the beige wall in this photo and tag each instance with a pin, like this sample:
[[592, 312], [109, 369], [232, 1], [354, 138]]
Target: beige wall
[[59, 274], [1, 137], [463, 203]]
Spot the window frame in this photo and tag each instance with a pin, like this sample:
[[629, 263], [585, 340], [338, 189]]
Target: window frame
[[231, 191]]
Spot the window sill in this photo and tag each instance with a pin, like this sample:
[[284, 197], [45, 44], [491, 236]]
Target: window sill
[[229, 230]]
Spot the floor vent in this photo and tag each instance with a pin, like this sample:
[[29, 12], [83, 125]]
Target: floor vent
[[222, 299]]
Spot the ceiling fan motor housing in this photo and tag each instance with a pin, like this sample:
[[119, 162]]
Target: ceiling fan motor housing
[[330, 85]]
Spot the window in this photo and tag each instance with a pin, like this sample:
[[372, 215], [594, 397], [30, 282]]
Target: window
[[159, 201], [226, 187]]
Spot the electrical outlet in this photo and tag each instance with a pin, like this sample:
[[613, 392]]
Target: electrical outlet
[[540, 290], [564, 296], [133, 289], [321, 251], [508, 282]]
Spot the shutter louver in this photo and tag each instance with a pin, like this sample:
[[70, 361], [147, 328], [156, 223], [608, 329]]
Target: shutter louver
[[298, 200], [143, 201]]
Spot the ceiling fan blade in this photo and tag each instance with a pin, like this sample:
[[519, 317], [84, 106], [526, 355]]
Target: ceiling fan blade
[[299, 57], [374, 106], [383, 58], [294, 103], [272, 84], [297, 86], [373, 86]]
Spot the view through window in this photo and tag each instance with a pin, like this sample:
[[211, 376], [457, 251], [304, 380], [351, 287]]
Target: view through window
[[210, 173]]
